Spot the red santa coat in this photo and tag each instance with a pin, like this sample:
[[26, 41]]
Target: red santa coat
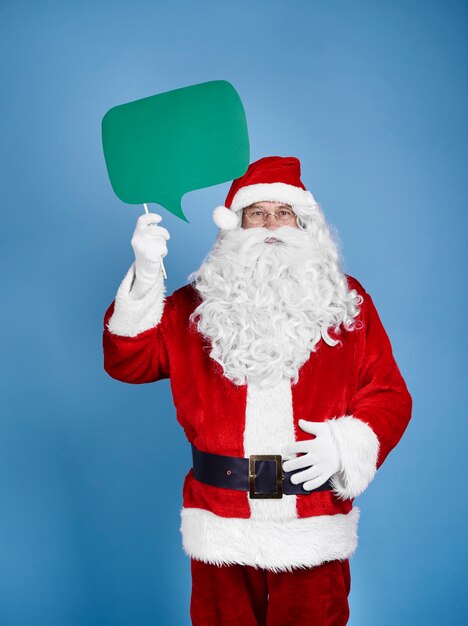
[[356, 386]]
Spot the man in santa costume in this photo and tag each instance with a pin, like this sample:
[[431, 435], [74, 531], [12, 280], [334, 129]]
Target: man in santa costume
[[285, 384]]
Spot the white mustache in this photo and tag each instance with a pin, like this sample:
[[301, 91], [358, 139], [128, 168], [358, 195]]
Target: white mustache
[[250, 244], [246, 238]]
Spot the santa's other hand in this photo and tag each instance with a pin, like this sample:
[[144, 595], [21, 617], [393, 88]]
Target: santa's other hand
[[320, 456]]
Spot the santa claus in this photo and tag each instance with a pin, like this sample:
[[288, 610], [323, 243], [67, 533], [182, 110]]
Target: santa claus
[[286, 386]]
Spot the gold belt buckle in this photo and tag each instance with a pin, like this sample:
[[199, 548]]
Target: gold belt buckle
[[252, 476]]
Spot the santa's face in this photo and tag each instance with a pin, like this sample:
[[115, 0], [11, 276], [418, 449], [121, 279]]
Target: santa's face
[[265, 307]]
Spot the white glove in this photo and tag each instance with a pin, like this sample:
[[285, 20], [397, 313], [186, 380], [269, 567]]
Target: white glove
[[149, 246], [321, 456]]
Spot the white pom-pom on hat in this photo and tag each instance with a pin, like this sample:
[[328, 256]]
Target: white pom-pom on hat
[[224, 218]]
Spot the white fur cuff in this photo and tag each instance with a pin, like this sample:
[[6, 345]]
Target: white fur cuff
[[358, 447], [133, 316]]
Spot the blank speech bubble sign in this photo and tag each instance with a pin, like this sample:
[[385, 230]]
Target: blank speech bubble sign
[[158, 148]]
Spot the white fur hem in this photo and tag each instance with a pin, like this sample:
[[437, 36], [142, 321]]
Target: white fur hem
[[277, 192], [277, 546], [133, 316], [359, 447]]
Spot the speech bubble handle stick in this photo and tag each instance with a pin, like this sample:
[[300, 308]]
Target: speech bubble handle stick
[[162, 263]]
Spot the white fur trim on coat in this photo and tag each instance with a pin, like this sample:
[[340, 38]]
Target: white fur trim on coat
[[358, 447], [269, 426], [132, 316], [277, 546], [274, 192]]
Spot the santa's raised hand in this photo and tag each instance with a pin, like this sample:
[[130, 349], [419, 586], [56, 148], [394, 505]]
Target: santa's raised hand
[[149, 246], [320, 456]]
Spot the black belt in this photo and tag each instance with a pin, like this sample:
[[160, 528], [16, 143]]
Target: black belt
[[262, 475]]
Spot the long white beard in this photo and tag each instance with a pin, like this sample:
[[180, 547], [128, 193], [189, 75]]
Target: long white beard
[[265, 306]]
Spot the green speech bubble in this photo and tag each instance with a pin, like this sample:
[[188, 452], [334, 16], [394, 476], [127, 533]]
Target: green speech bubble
[[158, 148]]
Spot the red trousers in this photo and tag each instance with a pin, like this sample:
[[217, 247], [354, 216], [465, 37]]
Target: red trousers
[[241, 595]]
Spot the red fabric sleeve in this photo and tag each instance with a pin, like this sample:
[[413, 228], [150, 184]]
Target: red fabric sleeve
[[140, 359], [382, 399]]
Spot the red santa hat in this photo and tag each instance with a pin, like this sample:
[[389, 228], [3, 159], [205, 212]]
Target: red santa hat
[[272, 178]]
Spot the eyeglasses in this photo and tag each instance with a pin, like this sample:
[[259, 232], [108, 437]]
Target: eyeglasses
[[257, 216]]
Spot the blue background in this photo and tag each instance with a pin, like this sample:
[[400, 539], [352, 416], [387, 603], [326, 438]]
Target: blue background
[[371, 96]]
